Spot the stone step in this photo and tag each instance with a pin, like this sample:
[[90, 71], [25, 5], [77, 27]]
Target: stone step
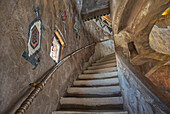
[[92, 112], [106, 59], [103, 82], [91, 103], [102, 66], [105, 62], [108, 56], [112, 54], [94, 91], [110, 69], [97, 76]]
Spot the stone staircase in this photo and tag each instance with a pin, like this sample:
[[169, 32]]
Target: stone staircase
[[96, 91]]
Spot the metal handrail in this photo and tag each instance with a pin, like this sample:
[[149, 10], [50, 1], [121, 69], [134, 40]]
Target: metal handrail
[[40, 86]]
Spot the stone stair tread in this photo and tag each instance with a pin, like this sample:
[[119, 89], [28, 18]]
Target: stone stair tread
[[98, 76], [110, 69], [107, 56], [102, 66], [104, 82], [91, 101], [105, 62], [106, 59], [112, 54], [90, 112], [98, 91]]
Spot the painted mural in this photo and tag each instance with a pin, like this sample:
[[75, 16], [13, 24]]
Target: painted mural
[[104, 23], [77, 26], [64, 18], [34, 40]]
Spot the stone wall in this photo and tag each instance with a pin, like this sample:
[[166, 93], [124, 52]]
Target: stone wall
[[16, 73], [139, 98]]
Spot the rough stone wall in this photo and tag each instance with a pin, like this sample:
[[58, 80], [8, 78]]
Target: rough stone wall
[[16, 73], [138, 99], [132, 22]]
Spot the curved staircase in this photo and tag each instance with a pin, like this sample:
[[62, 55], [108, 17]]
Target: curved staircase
[[96, 91]]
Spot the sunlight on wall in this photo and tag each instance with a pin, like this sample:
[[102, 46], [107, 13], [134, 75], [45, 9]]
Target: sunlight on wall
[[167, 11]]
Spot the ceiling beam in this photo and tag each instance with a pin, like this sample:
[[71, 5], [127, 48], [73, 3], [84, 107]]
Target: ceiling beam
[[95, 14]]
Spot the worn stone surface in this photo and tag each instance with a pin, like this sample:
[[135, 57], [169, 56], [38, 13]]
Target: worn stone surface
[[92, 101], [16, 73]]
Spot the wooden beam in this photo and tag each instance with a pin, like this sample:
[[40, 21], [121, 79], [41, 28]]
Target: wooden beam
[[95, 14]]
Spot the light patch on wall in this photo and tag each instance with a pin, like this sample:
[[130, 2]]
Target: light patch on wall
[[167, 11]]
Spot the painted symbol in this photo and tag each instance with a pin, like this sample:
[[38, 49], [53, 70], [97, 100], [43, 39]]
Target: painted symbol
[[34, 37], [34, 40], [64, 18]]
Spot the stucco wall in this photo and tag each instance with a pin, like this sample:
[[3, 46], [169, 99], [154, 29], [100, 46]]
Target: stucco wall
[[16, 73]]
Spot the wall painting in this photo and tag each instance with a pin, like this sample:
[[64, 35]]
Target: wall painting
[[34, 40]]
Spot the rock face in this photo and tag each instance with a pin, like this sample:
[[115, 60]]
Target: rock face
[[132, 22], [16, 73]]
